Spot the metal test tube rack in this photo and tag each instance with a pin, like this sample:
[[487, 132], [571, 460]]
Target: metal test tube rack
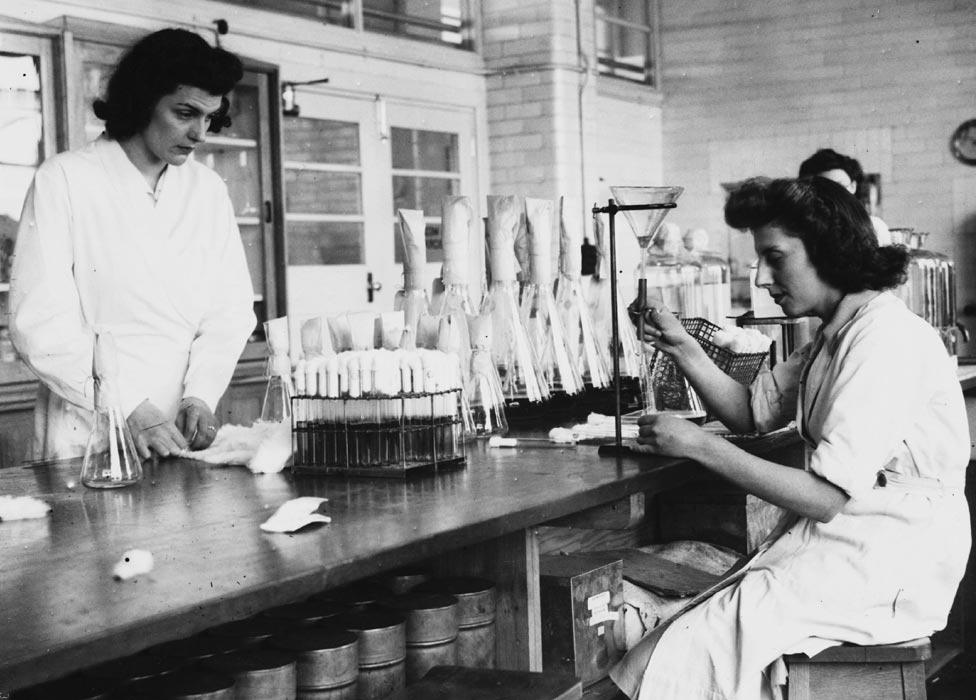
[[612, 208]]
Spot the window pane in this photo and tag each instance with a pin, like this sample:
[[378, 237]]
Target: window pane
[[328, 11], [631, 10], [325, 243], [238, 167], [323, 192], [424, 150], [21, 143], [425, 193], [321, 141], [243, 113], [434, 242], [254, 252], [440, 21], [623, 51]]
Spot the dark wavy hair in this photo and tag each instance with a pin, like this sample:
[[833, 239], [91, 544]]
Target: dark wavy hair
[[833, 225], [154, 67], [828, 159]]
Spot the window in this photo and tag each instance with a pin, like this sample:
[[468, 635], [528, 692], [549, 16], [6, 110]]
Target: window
[[323, 192], [626, 40], [438, 21], [425, 170], [442, 21]]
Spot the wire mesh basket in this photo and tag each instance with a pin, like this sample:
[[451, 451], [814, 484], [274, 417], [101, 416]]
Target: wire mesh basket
[[377, 436], [670, 388]]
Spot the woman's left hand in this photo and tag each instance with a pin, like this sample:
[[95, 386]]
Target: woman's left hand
[[669, 435], [197, 423]]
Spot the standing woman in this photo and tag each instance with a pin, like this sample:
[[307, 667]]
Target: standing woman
[[132, 236], [876, 535]]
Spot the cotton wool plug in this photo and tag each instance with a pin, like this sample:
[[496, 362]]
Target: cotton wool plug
[[134, 562]]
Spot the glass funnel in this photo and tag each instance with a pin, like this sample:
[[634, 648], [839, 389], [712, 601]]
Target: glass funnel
[[110, 459], [645, 223]]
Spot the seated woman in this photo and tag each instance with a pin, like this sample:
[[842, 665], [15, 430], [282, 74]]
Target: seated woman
[[877, 535]]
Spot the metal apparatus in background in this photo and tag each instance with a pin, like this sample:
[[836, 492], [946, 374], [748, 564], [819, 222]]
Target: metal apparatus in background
[[930, 287]]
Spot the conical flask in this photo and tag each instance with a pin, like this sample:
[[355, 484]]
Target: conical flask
[[538, 309], [111, 459], [276, 406], [591, 354], [511, 350], [483, 388]]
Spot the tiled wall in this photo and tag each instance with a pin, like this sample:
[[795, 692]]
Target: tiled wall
[[755, 87]]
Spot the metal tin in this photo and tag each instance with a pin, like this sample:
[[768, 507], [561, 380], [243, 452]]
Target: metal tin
[[423, 657], [251, 631], [380, 682], [307, 613], [403, 580], [381, 635], [355, 596], [327, 657], [135, 668], [431, 617], [196, 648], [259, 674], [476, 646], [346, 692], [74, 687], [188, 685], [475, 597]]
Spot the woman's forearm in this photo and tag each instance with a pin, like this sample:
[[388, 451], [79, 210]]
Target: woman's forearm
[[725, 397], [796, 490]]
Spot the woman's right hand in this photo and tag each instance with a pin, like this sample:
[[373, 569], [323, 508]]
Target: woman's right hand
[[663, 330], [154, 433]]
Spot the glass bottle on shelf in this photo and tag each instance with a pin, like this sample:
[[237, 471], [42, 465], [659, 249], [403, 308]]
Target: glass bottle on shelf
[[716, 292], [110, 458]]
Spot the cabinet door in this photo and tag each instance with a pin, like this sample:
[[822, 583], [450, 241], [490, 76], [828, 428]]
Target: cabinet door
[[335, 227], [27, 133], [242, 155]]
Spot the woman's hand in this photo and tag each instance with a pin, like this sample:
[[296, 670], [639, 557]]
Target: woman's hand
[[153, 432], [669, 435], [664, 331], [197, 423]]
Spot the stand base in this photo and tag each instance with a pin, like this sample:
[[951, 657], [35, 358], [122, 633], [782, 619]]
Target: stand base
[[614, 450]]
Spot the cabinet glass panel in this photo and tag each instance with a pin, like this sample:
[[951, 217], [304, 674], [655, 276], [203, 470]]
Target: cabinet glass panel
[[325, 242], [97, 63], [321, 141], [21, 143], [323, 192], [238, 167], [254, 252]]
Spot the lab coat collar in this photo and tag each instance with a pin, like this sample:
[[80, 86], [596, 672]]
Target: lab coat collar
[[126, 172], [850, 307]]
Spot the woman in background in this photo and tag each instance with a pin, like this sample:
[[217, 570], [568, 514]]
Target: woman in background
[[132, 236], [876, 535]]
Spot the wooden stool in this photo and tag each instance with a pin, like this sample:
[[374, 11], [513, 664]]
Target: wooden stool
[[881, 672], [452, 682]]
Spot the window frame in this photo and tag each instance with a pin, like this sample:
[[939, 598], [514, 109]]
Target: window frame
[[652, 53]]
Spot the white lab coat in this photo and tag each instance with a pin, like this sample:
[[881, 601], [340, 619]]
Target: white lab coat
[[879, 406], [163, 271]]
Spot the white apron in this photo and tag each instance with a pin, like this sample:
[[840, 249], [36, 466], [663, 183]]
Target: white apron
[[880, 408], [163, 271]]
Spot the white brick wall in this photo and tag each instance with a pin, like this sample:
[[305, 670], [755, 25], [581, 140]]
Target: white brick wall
[[756, 87]]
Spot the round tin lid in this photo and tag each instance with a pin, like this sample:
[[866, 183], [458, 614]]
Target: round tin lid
[[315, 639]]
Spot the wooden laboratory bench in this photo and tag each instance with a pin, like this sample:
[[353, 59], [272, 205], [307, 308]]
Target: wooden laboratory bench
[[61, 610]]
